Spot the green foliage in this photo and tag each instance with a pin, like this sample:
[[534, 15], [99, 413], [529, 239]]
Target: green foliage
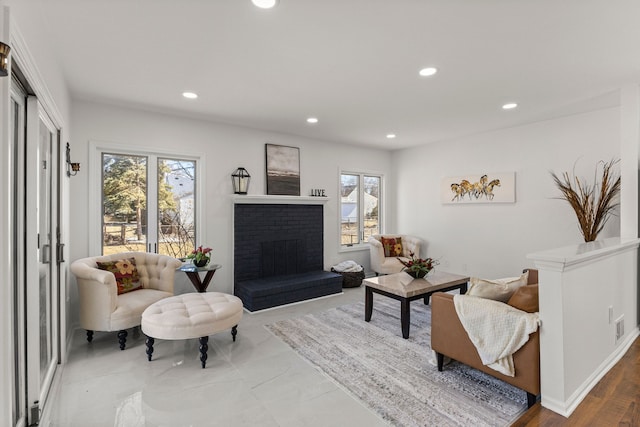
[[125, 187]]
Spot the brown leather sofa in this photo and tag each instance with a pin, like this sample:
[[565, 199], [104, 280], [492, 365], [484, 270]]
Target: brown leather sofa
[[449, 338]]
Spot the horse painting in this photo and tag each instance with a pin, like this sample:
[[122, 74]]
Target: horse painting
[[476, 190]]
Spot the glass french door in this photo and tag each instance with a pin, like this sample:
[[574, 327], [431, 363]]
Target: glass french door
[[17, 120], [41, 272], [143, 214]]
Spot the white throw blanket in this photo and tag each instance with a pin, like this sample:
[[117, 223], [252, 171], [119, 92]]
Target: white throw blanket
[[496, 329], [347, 267]]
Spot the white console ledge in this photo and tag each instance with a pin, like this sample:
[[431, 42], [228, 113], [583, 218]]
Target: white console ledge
[[282, 200], [569, 257]]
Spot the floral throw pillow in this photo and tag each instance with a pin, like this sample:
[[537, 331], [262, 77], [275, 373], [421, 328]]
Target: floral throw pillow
[[126, 273], [392, 246]]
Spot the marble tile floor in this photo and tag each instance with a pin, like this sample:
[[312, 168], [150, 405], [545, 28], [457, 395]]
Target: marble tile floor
[[256, 381]]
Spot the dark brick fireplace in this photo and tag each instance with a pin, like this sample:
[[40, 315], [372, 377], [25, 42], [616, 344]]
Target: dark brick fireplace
[[278, 254]]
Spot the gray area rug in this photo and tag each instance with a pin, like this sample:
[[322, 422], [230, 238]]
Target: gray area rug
[[394, 376]]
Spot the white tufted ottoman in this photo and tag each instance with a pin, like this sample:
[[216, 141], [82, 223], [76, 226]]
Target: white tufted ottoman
[[194, 315]]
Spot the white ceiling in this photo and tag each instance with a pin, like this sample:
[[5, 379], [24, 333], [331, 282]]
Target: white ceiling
[[351, 63]]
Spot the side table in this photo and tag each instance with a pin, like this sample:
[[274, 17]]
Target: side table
[[193, 273]]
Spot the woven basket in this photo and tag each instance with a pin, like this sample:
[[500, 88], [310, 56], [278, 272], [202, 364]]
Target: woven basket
[[351, 279]]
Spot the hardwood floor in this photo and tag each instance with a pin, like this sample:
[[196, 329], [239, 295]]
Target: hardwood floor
[[614, 401]]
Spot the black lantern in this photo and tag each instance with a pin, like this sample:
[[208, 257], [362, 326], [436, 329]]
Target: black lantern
[[240, 179]]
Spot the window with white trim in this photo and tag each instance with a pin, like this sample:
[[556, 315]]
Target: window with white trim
[[148, 215], [360, 207]]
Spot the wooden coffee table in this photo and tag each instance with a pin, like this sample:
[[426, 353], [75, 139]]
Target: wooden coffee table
[[405, 289]]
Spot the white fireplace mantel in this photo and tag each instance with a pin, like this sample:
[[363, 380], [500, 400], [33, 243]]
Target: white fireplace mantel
[[282, 200]]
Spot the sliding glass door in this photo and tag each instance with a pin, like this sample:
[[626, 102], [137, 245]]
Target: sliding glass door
[[37, 275]]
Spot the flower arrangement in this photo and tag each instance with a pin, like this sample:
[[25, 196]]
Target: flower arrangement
[[592, 203], [200, 256], [418, 267]]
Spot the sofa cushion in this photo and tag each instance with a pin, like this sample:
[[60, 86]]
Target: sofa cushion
[[392, 246], [525, 298], [497, 289], [126, 273]]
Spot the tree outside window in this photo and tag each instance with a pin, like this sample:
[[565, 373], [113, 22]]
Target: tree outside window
[[129, 209]]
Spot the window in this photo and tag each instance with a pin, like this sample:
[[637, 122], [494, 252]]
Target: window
[[141, 215], [360, 196]]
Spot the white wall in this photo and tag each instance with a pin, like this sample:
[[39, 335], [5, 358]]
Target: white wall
[[492, 240], [224, 147]]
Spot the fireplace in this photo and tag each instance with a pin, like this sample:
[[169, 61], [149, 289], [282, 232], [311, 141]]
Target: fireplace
[[278, 254]]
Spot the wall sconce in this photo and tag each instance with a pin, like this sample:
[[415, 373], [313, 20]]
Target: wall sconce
[[240, 179], [71, 167], [4, 58]]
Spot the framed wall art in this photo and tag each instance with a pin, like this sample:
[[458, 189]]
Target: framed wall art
[[283, 170], [481, 188]]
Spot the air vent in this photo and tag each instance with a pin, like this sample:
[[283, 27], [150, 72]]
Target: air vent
[[619, 328]]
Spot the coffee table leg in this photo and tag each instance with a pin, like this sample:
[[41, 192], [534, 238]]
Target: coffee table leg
[[203, 350], [368, 303], [405, 317]]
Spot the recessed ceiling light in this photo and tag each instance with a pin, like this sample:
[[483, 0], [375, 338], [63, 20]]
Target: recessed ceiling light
[[429, 71], [312, 120], [265, 4], [391, 135], [190, 95], [509, 106]]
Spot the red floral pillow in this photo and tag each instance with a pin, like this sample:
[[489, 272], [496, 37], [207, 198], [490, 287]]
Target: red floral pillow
[[392, 246], [126, 273]]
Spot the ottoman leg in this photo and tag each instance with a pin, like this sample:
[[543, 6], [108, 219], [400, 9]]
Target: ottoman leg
[[149, 342], [89, 335], [122, 338], [234, 332], [203, 350]]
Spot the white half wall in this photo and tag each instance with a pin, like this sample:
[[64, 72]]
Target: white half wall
[[224, 148], [585, 291], [492, 240]]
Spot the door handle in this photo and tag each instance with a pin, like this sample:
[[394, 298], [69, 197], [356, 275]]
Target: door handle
[[60, 253], [46, 254]]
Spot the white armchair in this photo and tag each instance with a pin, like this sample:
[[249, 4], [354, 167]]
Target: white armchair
[[389, 265], [102, 309]]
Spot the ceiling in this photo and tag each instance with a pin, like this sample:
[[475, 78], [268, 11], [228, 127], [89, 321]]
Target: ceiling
[[353, 64]]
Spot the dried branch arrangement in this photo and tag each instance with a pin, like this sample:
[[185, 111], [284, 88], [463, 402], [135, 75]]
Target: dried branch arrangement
[[593, 204]]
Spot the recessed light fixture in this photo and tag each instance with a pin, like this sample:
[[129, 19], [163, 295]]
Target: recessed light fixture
[[190, 95], [391, 135], [264, 4], [509, 106], [312, 120], [429, 71]]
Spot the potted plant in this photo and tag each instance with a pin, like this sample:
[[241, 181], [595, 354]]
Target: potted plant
[[593, 204], [200, 256], [418, 267]]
